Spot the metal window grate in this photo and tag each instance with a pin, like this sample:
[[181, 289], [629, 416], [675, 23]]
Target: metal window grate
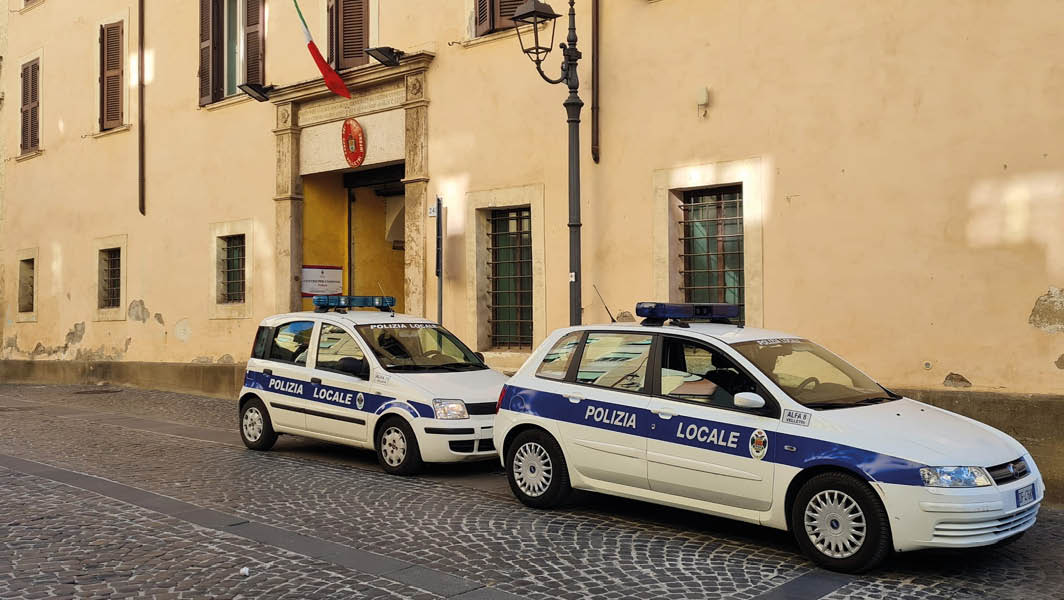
[[711, 233], [110, 278], [510, 267], [26, 273], [233, 265]]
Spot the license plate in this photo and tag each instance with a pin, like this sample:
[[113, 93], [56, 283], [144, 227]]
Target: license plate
[[1025, 495]]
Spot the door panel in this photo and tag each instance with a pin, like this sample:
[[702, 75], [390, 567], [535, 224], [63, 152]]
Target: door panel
[[699, 447], [285, 378], [338, 400], [607, 419]]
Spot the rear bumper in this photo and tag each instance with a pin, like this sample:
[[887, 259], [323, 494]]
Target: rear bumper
[[922, 517], [456, 441]]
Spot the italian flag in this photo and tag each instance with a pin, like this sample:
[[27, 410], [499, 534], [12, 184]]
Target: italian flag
[[332, 80]]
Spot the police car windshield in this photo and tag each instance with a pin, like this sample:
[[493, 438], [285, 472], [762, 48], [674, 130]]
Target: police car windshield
[[811, 375], [423, 347]]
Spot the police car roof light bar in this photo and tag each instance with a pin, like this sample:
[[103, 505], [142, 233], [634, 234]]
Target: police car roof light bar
[[656, 313], [338, 303]]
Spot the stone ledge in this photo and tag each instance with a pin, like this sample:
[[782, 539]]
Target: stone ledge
[[214, 380]]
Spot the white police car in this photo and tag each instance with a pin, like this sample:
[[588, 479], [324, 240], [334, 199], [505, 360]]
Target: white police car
[[758, 426], [401, 385]]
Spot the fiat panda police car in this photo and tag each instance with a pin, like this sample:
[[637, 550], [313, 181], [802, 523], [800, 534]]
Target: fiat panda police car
[[759, 426], [401, 385]]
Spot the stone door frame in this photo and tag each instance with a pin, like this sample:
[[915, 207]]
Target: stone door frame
[[374, 88]]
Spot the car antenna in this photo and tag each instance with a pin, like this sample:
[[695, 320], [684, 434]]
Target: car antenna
[[381, 288], [612, 320]]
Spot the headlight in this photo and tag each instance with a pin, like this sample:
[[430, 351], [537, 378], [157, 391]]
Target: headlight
[[955, 477], [449, 409]]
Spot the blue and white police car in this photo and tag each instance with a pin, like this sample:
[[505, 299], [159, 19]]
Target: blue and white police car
[[759, 426], [401, 385]]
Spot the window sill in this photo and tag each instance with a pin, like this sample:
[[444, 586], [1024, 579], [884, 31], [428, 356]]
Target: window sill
[[28, 7], [495, 36], [26, 317], [235, 99], [112, 131], [29, 155], [507, 361], [110, 314], [229, 310]]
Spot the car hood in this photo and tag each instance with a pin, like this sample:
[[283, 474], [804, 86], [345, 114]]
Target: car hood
[[470, 386], [922, 433]]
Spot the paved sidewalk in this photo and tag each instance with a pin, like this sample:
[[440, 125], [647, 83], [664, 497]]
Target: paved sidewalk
[[316, 518]]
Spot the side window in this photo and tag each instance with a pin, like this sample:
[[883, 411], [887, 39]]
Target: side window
[[615, 360], [291, 342], [262, 342], [693, 371], [555, 363], [334, 345]]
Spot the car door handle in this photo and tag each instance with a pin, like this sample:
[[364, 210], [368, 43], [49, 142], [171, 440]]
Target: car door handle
[[267, 371], [664, 413], [316, 380], [574, 398]]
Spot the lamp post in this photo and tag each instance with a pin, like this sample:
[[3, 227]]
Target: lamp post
[[536, 13]]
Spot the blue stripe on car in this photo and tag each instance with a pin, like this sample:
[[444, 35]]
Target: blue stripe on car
[[316, 392], [809, 452]]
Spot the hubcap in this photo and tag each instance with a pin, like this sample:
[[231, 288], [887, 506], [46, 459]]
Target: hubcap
[[393, 446], [533, 470], [835, 524], [252, 424]]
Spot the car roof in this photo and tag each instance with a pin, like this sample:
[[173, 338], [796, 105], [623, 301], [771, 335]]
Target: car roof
[[729, 334], [352, 317]]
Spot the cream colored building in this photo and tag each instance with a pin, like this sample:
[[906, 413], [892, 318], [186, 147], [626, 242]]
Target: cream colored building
[[899, 168]]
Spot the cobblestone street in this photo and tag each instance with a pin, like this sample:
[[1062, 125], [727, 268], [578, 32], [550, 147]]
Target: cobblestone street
[[113, 492]]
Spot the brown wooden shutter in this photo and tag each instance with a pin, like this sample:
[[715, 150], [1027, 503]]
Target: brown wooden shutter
[[111, 59], [255, 42], [330, 19], [353, 33], [31, 106], [503, 10], [483, 9], [210, 55]]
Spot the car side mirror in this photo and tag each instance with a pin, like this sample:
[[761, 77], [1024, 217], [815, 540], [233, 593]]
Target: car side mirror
[[749, 400], [479, 355], [356, 367]]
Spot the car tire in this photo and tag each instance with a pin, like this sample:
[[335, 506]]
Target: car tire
[[840, 523], [397, 448], [537, 471], [255, 426]]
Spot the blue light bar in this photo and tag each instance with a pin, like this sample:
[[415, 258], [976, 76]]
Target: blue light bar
[[660, 311], [381, 302]]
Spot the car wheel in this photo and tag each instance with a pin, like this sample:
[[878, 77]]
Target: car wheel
[[397, 449], [536, 470], [255, 427], [840, 523]]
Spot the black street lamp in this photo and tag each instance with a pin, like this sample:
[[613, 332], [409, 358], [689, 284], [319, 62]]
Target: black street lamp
[[536, 13]]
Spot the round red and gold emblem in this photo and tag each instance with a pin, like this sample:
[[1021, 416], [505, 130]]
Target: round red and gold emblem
[[354, 139]]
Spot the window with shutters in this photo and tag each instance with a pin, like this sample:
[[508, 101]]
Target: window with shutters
[[510, 273], [712, 241], [232, 47], [30, 129], [112, 57], [494, 15], [348, 38]]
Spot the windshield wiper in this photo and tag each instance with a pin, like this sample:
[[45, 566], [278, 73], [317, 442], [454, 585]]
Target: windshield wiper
[[878, 399], [826, 405], [460, 366], [407, 367]]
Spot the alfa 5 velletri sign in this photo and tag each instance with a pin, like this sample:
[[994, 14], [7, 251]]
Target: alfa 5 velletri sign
[[322, 280]]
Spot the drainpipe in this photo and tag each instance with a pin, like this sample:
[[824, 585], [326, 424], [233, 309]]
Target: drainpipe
[[140, 107], [595, 80]]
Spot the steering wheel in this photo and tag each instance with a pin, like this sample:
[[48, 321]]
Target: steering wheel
[[807, 381]]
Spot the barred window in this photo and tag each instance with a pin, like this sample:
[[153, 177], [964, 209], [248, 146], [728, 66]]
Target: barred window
[[712, 236], [510, 273], [232, 279], [110, 286], [26, 274]]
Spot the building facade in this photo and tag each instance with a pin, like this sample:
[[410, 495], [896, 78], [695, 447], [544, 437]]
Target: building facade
[[886, 179]]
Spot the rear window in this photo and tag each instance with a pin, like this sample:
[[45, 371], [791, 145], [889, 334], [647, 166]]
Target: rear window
[[291, 342], [555, 364], [262, 342]]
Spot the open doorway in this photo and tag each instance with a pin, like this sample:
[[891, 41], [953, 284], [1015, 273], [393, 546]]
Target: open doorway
[[376, 232]]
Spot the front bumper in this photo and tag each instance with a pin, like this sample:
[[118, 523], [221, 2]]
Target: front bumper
[[457, 440], [922, 517]]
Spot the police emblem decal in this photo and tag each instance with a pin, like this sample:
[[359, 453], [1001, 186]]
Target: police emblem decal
[[758, 444], [360, 401]]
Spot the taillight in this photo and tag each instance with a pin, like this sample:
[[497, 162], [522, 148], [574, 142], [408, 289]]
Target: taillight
[[502, 394]]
